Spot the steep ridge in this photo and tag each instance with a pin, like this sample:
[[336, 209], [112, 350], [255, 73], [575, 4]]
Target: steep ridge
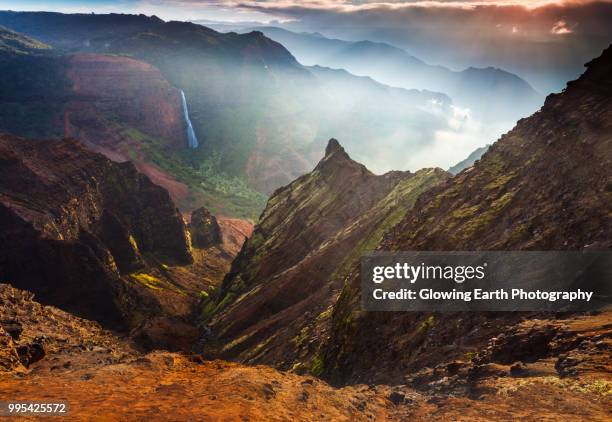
[[79, 231], [73, 32], [545, 185], [274, 305], [12, 42]]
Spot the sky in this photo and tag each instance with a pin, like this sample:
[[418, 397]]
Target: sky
[[544, 41], [267, 10], [165, 9]]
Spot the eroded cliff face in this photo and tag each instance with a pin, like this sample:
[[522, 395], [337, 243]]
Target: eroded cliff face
[[545, 185], [75, 226], [125, 109], [46, 349], [118, 106], [275, 304], [132, 93]]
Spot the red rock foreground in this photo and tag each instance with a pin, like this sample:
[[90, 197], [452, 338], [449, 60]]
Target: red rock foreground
[[50, 355], [104, 377], [164, 386]]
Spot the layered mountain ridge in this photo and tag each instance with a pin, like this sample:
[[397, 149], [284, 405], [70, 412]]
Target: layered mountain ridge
[[542, 186], [292, 268], [100, 240]]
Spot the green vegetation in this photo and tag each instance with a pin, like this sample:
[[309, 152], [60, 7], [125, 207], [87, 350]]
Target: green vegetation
[[224, 194], [466, 212], [235, 342], [393, 207], [596, 387], [256, 241], [486, 217], [210, 306], [15, 43], [317, 366], [426, 324], [302, 337], [470, 355], [147, 280], [326, 314]]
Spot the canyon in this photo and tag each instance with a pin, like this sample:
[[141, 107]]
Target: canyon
[[133, 286], [261, 118]]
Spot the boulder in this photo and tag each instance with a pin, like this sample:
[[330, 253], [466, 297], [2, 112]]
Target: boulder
[[205, 231]]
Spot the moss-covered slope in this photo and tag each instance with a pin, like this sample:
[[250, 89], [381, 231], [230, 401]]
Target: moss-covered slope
[[274, 305]]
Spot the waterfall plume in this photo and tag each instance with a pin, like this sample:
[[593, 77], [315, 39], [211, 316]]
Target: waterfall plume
[[192, 140]]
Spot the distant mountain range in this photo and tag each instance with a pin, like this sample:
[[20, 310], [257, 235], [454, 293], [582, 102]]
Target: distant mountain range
[[261, 117], [469, 161], [492, 94]]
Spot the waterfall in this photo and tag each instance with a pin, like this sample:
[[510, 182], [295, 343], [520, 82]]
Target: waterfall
[[192, 140]]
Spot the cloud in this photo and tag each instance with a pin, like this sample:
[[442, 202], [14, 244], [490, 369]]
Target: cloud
[[347, 6], [560, 28], [435, 18], [361, 5]]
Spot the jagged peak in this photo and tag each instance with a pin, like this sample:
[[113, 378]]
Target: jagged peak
[[333, 146], [336, 158]]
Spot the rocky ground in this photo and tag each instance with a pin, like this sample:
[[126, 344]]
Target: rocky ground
[[50, 355], [165, 386]]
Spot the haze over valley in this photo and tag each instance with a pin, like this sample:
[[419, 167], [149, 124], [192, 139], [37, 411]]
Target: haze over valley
[[260, 117]]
